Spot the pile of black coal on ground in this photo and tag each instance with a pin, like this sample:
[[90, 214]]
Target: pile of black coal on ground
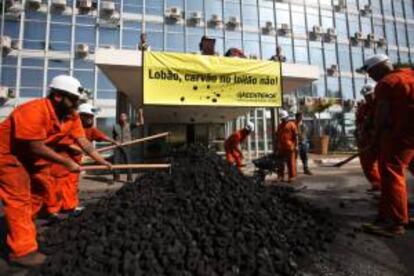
[[202, 219]]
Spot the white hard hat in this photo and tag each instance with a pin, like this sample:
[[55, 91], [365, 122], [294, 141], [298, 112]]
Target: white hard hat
[[367, 89], [67, 84], [283, 114], [249, 126], [374, 60], [87, 109]]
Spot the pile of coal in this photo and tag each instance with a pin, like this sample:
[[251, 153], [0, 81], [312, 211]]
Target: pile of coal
[[202, 219]]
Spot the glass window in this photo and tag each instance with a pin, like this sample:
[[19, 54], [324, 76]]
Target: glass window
[[155, 40], [404, 57], [301, 52], [8, 76], [366, 25], [192, 42], [58, 63], [268, 48], [85, 34], [393, 55], [11, 28], [304, 91], [231, 9], [316, 56], [130, 38], [175, 42], [36, 62], [195, 5], [31, 77], [299, 20], [378, 28], [330, 55], [286, 44], [282, 14], [318, 87], [9, 60], [411, 35], [214, 7], [390, 31], [109, 37], [376, 6], [341, 28], [387, 7], [106, 94], [353, 24], [402, 35], [357, 57], [155, 7], [35, 15], [398, 8], [133, 6], [251, 45], [86, 78], [30, 92], [83, 64], [60, 37], [312, 17], [250, 16], [327, 21], [409, 6], [333, 87], [34, 35], [347, 90]]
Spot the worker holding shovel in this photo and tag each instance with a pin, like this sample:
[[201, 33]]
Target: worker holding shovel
[[234, 155], [27, 140], [67, 181], [368, 154]]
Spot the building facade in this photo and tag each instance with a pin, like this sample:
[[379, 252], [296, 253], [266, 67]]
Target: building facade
[[43, 38]]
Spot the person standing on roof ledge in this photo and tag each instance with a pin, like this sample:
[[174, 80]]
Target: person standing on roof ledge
[[234, 154], [394, 132]]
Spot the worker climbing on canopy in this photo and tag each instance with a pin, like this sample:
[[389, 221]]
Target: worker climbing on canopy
[[368, 153], [286, 138], [27, 140], [232, 145], [394, 131], [68, 181]]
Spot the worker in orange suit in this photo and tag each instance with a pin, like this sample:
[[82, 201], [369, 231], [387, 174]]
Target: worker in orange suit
[[368, 154], [234, 155], [26, 137], [287, 142], [69, 181], [394, 129]]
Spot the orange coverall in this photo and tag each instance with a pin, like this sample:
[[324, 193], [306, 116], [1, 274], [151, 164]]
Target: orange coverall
[[369, 158], [231, 145], [286, 134], [46, 192], [34, 120], [397, 143], [69, 181]]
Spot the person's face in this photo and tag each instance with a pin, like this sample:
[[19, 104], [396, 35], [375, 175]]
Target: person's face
[[66, 103], [87, 120], [123, 118], [378, 72]]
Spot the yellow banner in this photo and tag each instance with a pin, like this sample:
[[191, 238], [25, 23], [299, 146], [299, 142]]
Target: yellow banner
[[197, 80]]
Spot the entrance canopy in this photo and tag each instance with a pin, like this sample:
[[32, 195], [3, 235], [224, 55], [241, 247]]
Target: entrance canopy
[[124, 69]]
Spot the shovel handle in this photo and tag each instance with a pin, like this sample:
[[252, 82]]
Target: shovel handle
[[136, 141], [126, 166]]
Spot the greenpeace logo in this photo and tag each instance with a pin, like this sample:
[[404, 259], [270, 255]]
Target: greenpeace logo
[[255, 95]]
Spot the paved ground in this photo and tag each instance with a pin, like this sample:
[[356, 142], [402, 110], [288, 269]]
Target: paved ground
[[340, 190]]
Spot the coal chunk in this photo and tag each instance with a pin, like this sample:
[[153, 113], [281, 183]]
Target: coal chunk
[[202, 219]]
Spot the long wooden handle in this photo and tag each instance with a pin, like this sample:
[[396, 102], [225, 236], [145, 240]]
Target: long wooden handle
[[126, 166], [136, 141], [343, 162]]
